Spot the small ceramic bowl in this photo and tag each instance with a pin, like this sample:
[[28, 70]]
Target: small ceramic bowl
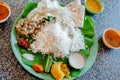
[[5, 5], [117, 35], [91, 11]]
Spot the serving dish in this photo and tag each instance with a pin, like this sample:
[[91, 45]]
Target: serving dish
[[88, 32], [5, 11], [111, 38], [94, 6]]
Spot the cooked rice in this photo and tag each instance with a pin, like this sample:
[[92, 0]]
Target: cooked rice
[[59, 38]]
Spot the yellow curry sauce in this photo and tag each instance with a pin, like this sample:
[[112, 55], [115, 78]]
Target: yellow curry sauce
[[94, 5], [113, 38], [4, 12]]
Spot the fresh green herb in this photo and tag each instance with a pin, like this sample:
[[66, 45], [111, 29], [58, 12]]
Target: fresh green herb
[[48, 19], [30, 39]]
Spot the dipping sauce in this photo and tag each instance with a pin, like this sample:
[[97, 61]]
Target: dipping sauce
[[112, 37], [4, 12], [94, 5]]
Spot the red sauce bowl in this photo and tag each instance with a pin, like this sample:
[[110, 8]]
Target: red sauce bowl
[[5, 12]]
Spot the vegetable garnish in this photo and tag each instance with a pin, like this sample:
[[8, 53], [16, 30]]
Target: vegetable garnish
[[28, 56], [48, 19], [23, 43], [38, 68]]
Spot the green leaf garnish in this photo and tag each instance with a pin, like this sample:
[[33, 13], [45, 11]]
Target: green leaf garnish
[[29, 6], [74, 72], [37, 60]]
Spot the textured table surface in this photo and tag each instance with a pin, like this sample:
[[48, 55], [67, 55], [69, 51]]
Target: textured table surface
[[106, 66]]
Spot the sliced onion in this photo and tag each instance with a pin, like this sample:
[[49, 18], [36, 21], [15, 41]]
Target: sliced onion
[[28, 56]]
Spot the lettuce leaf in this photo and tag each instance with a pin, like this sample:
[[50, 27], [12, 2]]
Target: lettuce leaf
[[88, 41], [88, 29], [88, 32], [29, 6]]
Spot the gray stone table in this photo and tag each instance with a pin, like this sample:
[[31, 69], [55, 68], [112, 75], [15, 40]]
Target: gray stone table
[[106, 66]]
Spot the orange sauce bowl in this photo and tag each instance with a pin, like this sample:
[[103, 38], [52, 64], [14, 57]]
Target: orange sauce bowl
[[111, 38], [5, 12], [94, 6]]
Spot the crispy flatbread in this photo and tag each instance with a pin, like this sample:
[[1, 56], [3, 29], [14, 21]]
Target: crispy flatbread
[[78, 11]]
